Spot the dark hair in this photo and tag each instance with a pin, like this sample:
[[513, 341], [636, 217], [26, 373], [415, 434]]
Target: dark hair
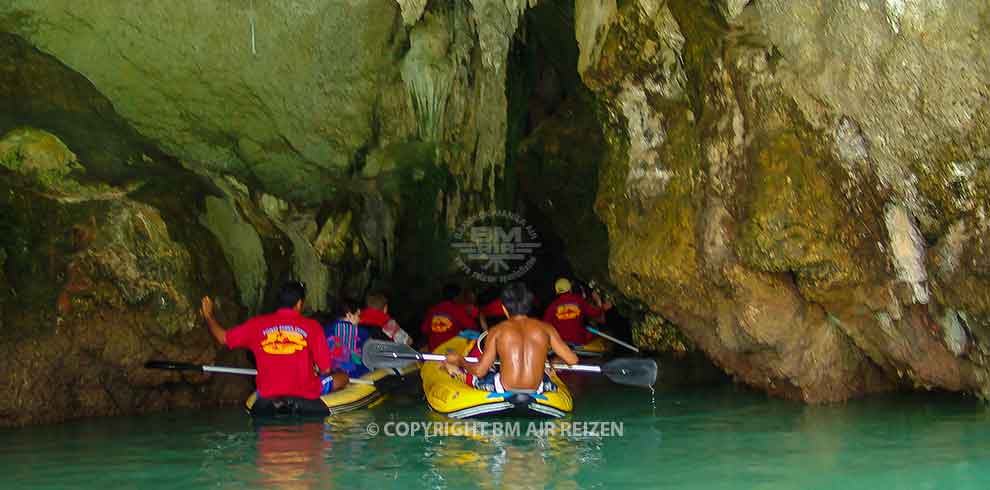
[[488, 295], [291, 293], [376, 300], [517, 298], [344, 306], [451, 291]]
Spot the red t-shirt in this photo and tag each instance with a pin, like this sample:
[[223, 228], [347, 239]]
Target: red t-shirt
[[567, 313], [286, 346], [493, 308], [444, 321]]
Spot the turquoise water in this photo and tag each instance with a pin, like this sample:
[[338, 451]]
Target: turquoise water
[[700, 438]]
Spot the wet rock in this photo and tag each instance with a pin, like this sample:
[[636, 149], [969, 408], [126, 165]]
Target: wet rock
[[593, 19], [412, 10], [300, 228], [774, 189], [656, 334], [99, 283], [317, 86], [241, 245], [38, 154], [730, 9], [279, 66], [907, 248]]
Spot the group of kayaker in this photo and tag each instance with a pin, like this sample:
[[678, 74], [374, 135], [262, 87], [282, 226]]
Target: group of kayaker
[[297, 357], [567, 314]]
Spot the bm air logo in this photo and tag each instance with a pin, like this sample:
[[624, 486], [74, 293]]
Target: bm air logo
[[568, 311], [441, 323], [283, 340]]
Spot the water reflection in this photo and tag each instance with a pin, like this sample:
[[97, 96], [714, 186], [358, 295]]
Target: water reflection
[[695, 440], [521, 461], [291, 456]]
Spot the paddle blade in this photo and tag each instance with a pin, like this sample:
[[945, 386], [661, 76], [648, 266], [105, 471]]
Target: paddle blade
[[378, 354], [173, 366], [631, 371]]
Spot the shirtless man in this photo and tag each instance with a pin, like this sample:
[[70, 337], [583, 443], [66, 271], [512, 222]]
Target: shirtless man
[[521, 344]]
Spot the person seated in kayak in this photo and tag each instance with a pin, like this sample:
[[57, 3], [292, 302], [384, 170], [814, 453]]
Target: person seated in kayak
[[345, 338], [491, 312], [286, 346], [521, 345], [568, 312], [375, 316], [445, 320], [469, 299]]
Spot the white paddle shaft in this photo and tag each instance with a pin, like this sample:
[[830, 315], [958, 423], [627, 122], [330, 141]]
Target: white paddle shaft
[[254, 372], [230, 370], [613, 339]]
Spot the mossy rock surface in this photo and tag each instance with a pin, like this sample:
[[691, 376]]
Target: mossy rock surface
[[795, 222]]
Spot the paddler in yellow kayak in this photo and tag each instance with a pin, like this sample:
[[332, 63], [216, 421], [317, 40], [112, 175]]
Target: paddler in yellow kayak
[[520, 344]]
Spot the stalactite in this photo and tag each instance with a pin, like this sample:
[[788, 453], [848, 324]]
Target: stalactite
[[429, 89], [455, 77], [412, 10]]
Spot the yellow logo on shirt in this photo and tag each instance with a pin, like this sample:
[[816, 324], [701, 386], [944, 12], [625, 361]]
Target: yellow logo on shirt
[[283, 340], [568, 311], [440, 324]]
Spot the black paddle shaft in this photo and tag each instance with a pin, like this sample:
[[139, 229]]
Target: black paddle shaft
[[173, 365]]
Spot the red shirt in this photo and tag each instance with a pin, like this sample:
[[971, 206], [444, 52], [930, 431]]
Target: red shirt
[[567, 313], [286, 346], [493, 308], [444, 321], [377, 318]]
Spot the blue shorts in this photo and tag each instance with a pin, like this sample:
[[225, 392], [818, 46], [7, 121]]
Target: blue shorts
[[327, 382]]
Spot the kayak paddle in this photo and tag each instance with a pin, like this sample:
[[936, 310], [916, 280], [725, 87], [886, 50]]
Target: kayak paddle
[[585, 353], [185, 366], [613, 339], [378, 354]]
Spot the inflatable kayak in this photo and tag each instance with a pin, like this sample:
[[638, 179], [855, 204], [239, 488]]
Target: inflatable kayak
[[355, 395], [597, 345], [456, 399]]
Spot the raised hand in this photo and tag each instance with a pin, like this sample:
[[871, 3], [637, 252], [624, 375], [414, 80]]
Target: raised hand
[[207, 308]]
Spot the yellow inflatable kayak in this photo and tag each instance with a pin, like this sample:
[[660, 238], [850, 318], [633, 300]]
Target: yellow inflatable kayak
[[456, 399], [356, 394], [598, 345]]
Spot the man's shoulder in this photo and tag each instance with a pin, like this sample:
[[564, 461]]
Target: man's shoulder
[[520, 323], [538, 323], [283, 318], [257, 320]]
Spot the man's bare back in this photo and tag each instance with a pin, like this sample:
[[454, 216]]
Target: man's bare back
[[521, 344]]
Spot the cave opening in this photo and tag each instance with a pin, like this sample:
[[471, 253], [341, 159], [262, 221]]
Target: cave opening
[[555, 190]]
